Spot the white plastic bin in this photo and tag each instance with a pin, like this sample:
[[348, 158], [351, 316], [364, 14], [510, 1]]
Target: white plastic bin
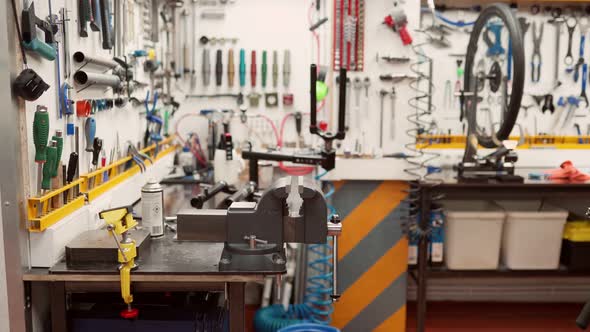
[[473, 233], [532, 235]]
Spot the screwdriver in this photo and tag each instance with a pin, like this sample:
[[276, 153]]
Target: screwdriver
[[71, 172], [253, 69], [275, 69], [206, 68], [231, 71], [218, 68], [58, 137], [264, 69], [40, 137], [49, 165], [97, 146], [90, 131], [242, 67]]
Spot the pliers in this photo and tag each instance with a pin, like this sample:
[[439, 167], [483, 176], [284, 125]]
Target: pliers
[[138, 157], [536, 60]]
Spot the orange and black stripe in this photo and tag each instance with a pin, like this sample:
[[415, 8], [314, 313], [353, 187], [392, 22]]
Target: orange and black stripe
[[373, 254]]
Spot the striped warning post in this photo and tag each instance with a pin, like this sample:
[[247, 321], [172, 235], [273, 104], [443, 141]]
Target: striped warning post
[[373, 255]]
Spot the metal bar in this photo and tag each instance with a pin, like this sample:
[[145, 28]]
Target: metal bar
[[59, 318], [236, 300], [425, 194]]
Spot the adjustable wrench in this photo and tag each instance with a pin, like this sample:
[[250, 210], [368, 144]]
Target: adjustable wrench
[[569, 58], [536, 60], [584, 82], [584, 26]]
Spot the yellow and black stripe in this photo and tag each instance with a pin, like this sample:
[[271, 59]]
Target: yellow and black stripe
[[373, 255]]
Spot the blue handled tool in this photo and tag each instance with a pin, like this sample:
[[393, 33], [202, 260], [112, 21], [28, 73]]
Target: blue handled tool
[[90, 132], [242, 67], [494, 47], [30, 24], [584, 83]]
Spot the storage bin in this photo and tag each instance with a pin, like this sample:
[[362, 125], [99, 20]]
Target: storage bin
[[575, 248], [473, 233], [532, 235]]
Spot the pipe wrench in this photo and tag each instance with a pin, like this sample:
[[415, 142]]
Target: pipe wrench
[[584, 26], [536, 60]]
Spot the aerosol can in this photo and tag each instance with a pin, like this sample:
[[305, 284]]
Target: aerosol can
[[152, 208]]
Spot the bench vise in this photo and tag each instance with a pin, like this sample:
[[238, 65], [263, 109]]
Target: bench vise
[[254, 234]]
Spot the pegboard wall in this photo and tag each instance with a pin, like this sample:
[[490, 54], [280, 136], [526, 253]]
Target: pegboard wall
[[283, 25]]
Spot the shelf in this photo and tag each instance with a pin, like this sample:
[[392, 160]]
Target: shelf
[[502, 272]]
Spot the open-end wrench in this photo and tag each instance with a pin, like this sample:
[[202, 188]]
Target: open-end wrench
[[584, 24], [569, 58], [557, 22], [536, 60], [584, 82]]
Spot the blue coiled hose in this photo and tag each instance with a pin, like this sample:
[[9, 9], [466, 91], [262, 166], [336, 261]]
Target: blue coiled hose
[[317, 306]]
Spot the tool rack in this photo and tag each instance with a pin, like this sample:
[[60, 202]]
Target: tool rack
[[91, 186], [529, 142], [430, 192]]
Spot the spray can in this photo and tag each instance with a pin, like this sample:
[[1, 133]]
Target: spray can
[[152, 208]]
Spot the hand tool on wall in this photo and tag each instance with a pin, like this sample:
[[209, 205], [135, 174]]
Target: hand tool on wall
[[96, 148], [59, 140], [398, 22], [231, 68], [206, 67], [90, 133], [253, 69], [573, 103], [65, 35], [548, 104], [67, 106], [571, 23], [194, 44], [275, 69], [242, 67], [218, 68], [584, 26], [494, 47], [557, 22], [71, 173], [393, 97], [84, 14], [119, 222], [536, 60], [349, 27], [40, 137], [30, 24], [382, 94], [49, 165], [263, 69], [579, 132], [106, 28], [584, 83], [287, 68], [357, 84], [95, 20], [185, 47]]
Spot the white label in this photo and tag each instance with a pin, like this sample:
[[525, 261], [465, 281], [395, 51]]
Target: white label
[[152, 214], [412, 255], [437, 252]]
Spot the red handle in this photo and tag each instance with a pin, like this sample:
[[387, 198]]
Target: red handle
[[253, 69], [405, 35]]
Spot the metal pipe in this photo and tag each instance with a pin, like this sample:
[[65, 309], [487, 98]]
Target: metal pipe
[[86, 78], [80, 57]]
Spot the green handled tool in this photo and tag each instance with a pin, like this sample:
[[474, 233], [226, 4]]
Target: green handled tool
[[49, 165], [58, 137], [264, 69], [40, 137]]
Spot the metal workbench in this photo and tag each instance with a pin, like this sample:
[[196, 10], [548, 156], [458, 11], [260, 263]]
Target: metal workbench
[[169, 265], [532, 190]]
